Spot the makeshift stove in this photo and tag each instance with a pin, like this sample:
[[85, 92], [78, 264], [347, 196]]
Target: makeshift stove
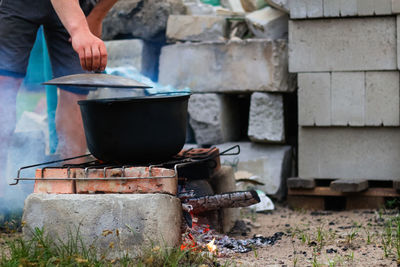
[[191, 176]]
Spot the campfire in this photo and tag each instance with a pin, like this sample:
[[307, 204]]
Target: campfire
[[188, 176]]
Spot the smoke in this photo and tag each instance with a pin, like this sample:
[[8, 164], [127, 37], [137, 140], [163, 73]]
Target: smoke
[[22, 143]]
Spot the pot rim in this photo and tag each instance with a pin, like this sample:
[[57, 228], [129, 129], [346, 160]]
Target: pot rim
[[150, 98]]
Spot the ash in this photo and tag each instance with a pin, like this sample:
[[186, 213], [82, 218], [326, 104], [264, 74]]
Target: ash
[[202, 235]]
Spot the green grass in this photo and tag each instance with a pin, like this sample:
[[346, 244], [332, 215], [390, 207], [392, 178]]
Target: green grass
[[41, 250]]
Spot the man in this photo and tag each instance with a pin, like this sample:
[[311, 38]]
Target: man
[[74, 47]]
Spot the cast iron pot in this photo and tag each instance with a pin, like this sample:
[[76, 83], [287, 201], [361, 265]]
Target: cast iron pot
[[136, 129]]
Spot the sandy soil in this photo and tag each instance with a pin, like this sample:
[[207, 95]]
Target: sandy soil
[[324, 238]]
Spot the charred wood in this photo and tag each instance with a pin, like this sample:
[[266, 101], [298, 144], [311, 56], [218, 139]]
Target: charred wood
[[226, 200]]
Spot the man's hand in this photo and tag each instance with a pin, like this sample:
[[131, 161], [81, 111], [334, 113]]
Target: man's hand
[[91, 50]]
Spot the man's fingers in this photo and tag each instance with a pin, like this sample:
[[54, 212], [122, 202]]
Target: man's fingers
[[96, 58], [103, 57], [81, 54], [88, 59]]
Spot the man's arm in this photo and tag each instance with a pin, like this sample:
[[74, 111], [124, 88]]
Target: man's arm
[[98, 13], [91, 50]]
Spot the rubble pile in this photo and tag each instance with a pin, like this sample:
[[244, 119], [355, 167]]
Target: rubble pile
[[234, 58], [346, 57]]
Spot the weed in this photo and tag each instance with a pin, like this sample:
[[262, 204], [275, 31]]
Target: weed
[[351, 236], [41, 250]]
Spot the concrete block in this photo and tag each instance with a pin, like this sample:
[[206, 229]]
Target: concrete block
[[306, 9], [366, 7], [300, 183], [342, 44], [266, 118], [383, 7], [314, 96], [298, 9], [282, 5], [332, 8], [398, 40], [252, 5], [141, 219], [314, 8], [395, 6], [235, 66], [349, 153], [382, 99], [268, 23], [271, 163], [224, 181], [348, 98], [348, 7], [349, 186], [214, 118], [373, 7], [196, 28]]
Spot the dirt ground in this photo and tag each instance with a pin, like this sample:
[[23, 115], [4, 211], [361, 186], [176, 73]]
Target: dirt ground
[[324, 238]]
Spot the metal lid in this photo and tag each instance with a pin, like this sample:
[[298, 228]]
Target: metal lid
[[96, 80]]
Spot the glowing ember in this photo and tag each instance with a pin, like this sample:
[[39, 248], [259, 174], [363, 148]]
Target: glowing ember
[[211, 246]]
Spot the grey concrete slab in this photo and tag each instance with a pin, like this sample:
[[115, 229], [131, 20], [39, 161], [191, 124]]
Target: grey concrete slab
[[266, 118], [314, 96], [196, 28], [300, 183], [348, 98], [342, 44], [141, 219], [349, 153], [271, 163], [235, 66], [349, 186], [382, 99]]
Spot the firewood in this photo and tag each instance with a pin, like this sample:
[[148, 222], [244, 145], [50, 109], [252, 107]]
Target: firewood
[[226, 200]]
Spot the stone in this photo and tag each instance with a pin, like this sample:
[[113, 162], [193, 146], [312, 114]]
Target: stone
[[223, 181], [395, 6], [342, 44], [382, 99], [349, 153], [225, 66], [271, 163], [348, 98], [196, 28], [213, 118], [281, 5], [266, 118], [268, 23], [314, 96], [144, 19], [349, 186], [300, 183], [141, 220]]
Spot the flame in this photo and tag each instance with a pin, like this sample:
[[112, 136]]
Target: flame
[[211, 246]]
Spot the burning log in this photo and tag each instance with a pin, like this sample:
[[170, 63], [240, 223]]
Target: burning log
[[226, 200]]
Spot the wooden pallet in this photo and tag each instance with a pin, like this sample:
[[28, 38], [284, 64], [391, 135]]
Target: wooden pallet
[[339, 195]]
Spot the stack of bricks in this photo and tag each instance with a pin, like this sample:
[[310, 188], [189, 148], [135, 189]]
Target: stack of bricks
[[347, 60], [238, 87]]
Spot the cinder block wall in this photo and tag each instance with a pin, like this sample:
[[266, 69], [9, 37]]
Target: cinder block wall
[[346, 54]]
